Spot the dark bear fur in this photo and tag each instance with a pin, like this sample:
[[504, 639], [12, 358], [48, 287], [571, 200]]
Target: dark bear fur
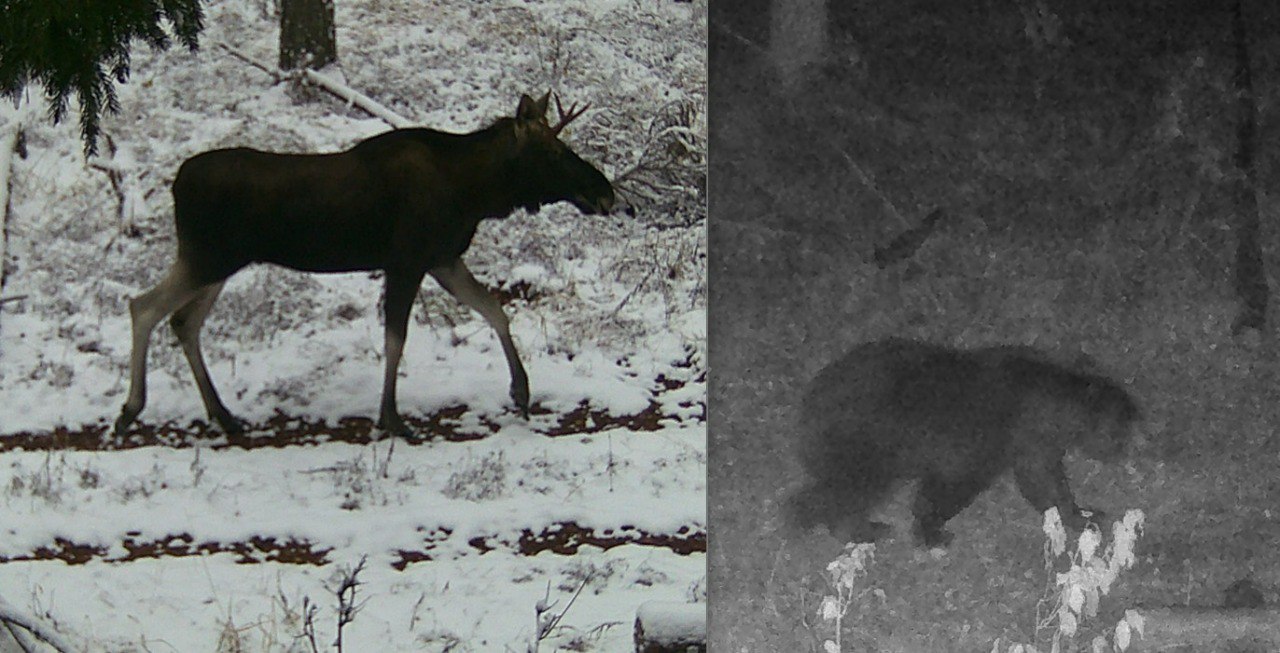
[[955, 419]]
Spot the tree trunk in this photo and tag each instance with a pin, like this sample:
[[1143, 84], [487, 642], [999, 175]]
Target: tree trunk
[[797, 38], [307, 36], [8, 149], [1251, 275]]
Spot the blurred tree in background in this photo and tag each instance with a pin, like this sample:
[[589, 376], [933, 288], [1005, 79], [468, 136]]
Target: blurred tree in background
[[307, 35], [81, 47]]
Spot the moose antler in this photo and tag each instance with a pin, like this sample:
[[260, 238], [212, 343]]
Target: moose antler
[[567, 117]]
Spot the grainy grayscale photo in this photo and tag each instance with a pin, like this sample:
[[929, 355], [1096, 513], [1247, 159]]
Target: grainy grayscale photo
[[993, 360], [353, 326]]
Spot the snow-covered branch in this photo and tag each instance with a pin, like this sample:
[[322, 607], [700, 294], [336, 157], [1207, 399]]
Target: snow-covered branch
[[671, 162], [357, 98], [12, 619], [330, 85]]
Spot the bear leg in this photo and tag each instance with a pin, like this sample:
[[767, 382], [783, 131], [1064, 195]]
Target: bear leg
[[1043, 483], [939, 500], [841, 499]]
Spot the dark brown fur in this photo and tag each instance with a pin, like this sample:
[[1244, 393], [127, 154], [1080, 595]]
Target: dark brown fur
[[406, 202], [955, 419]]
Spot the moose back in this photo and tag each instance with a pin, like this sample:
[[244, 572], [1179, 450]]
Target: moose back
[[406, 202]]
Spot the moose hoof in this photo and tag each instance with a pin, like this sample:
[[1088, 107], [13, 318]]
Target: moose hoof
[[392, 424], [122, 423], [521, 397], [229, 424]]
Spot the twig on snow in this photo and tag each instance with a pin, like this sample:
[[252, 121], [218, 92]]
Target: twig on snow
[[617, 309], [309, 610], [276, 75], [348, 581], [115, 174], [546, 622]]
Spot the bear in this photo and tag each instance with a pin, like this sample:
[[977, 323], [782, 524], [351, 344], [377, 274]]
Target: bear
[[955, 419]]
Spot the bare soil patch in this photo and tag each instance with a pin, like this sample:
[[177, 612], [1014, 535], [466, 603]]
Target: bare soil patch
[[286, 430], [564, 538]]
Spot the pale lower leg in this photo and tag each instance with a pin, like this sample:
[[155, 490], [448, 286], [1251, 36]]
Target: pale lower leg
[[146, 311], [458, 281], [388, 415]]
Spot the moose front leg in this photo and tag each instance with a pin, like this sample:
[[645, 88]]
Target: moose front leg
[[457, 280], [400, 291]]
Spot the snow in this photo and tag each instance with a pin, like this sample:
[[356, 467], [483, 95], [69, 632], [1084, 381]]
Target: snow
[[669, 623], [614, 328], [189, 604]]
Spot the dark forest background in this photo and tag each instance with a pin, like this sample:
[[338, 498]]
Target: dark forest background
[[1088, 185]]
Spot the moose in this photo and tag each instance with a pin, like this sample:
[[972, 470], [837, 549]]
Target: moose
[[406, 202]]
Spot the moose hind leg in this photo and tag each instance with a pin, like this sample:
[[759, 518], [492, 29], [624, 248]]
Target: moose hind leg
[[398, 303], [147, 310], [457, 280], [186, 323]]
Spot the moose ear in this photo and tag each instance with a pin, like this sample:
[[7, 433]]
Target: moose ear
[[526, 110], [531, 109]]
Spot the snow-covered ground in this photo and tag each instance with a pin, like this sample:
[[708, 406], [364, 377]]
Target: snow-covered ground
[[124, 547]]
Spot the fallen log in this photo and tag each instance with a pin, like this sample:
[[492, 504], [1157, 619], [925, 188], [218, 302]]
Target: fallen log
[[1208, 629], [328, 84], [22, 628]]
